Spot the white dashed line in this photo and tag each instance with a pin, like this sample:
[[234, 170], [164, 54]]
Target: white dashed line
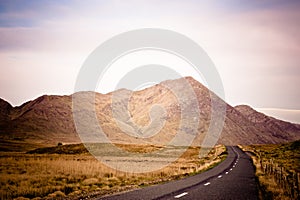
[[207, 183], [220, 176], [226, 172], [180, 195]]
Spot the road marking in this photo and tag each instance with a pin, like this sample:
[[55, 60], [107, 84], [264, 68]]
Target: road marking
[[231, 169], [220, 176], [226, 173], [180, 195], [207, 183]]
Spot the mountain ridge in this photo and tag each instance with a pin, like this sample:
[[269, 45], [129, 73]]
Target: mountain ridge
[[49, 119]]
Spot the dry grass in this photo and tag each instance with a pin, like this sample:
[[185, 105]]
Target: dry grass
[[269, 188], [139, 148], [73, 176], [277, 169]]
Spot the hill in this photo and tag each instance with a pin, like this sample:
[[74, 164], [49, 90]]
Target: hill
[[48, 120]]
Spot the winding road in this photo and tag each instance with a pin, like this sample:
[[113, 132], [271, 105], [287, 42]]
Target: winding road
[[234, 178]]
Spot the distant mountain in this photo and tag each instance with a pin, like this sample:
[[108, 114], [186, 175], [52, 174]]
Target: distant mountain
[[48, 120], [275, 127]]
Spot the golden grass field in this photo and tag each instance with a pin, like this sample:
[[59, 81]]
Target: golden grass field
[[277, 169], [78, 175]]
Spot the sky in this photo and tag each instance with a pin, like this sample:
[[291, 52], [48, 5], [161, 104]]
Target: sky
[[255, 45]]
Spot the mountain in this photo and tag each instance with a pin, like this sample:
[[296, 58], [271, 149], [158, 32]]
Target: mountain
[[43, 121], [5, 108], [48, 120], [275, 127]]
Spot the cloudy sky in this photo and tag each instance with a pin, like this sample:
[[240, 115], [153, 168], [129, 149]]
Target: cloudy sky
[[255, 45]]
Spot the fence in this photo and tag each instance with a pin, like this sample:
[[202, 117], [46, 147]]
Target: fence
[[287, 180]]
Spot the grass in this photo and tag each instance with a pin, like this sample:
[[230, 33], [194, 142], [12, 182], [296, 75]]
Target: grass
[[68, 171], [61, 149], [17, 145], [277, 169]]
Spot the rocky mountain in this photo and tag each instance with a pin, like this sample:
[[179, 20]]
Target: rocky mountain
[[273, 126], [154, 116]]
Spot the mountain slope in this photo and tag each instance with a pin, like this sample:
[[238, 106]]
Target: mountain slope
[[49, 119], [45, 119], [5, 108], [271, 125]]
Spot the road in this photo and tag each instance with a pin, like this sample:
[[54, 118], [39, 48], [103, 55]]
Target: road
[[232, 179]]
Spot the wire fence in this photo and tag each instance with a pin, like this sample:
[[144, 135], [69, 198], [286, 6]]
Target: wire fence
[[288, 181]]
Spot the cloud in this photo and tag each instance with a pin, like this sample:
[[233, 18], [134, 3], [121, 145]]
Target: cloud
[[258, 56], [254, 44], [31, 13], [283, 114]]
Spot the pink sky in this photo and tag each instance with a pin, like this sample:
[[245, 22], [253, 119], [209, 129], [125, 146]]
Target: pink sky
[[254, 45]]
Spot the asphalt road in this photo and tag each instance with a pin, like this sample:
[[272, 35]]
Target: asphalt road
[[232, 179]]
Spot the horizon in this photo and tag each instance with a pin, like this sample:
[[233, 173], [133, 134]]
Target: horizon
[[253, 45]]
